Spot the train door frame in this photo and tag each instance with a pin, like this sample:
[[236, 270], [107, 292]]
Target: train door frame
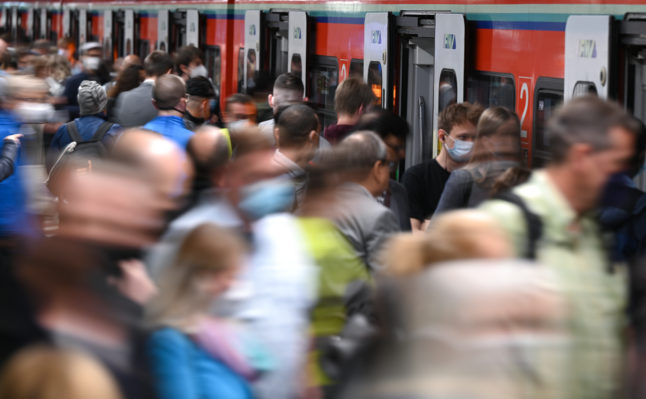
[[67, 18], [376, 54], [587, 55], [129, 33], [14, 24], [162, 31], [192, 28], [82, 27], [106, 40], [30, 32], [297, 42], [252, 37], [45, 23], [177, 30]]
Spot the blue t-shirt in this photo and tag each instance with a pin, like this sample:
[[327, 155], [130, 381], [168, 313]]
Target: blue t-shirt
[[171, 127]]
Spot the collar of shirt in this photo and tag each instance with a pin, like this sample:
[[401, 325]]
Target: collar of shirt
[[293, 169], [149, 81]]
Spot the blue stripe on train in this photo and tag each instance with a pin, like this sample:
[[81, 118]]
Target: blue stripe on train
[[521, 25]]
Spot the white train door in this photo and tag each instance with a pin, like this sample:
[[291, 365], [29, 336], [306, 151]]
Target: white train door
[[375, 55], [587, 55], [107, 35], [162, 30], [193, 28], [297, 45], [252, 30], [129, 33]]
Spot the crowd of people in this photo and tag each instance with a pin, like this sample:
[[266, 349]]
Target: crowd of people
[[152, 246]]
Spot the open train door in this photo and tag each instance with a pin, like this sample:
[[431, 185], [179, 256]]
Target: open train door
[[449, 66], [587, 55], [375, 55], [297, 45], [162, 30], [193, 28], [252, 30]]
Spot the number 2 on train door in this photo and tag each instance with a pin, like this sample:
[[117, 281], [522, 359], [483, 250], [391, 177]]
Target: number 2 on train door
[[524, 106]]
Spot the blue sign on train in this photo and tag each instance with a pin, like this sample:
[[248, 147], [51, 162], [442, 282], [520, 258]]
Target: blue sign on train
[[449, 41], [587, 48], [297, 33], [376, 37]]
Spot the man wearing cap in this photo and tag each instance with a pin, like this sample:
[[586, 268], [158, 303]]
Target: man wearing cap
[[91, 59], [169, 97], [92, 101]]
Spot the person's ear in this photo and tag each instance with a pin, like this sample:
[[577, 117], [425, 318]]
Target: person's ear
[[270, 100], [184, 69], [441, 134]]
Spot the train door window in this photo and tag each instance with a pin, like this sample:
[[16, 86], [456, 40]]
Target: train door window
[[192, 28], [448, 89], [297, 45], [587, 55], [296, 64], [489, 90], [177, 31], [252, 27], [356, 69], [276, 39], [375, 80], [324, 79], [213, 63], [548, 95]]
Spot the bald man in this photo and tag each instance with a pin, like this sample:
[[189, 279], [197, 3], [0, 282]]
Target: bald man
[[209, 149], [169, 97]]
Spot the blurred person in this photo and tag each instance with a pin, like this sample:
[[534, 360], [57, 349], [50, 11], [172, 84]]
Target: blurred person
[[59, 71], [496, 148], [288, 89], [463, 234], [134, 107], [122, 64], [91, 124], [128, 79], [393, 130], [198, 105], [365, 222], [252, 200], [42, 46], [351, 99], [169, 97], [10, 147], [549, 218], [425, 182], [42, 372], [296, 135], [24, 57], [209, 149], [91, 60], [184, 366], [239, 110], [189, 63]]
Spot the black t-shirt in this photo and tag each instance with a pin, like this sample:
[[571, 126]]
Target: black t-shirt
[[424, 184]]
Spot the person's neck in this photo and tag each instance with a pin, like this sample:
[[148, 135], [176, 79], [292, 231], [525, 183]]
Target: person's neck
[[566, 184], [150, 79], [170, 112], [296, 155], [446, 162], [345, 119]]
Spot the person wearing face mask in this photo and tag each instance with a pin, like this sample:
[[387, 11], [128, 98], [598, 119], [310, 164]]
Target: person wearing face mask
[[169, 97], [189, 64], [92, 101], [91, 61], [425, 182], [239, 111], [495, 149], [198, 105]]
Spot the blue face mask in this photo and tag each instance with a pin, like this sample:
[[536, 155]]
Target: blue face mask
[[266, 197], [461, 151]]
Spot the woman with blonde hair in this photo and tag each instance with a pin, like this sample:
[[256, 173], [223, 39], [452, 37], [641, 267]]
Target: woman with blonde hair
[[495, 150], [192, 353]]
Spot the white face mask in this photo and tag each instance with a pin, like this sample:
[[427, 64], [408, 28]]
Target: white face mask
[[34, 112], [199, 71], [91, 63]]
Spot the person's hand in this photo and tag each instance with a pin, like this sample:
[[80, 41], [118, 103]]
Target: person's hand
[[14, 137], [135, 283]]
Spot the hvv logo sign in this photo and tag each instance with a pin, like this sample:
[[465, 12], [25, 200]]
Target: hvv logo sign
[[587, 49], [376, 37], [449, 41]]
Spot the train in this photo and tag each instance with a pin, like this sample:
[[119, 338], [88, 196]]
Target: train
[[417, 55]]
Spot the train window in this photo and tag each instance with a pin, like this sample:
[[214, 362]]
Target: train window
[[584, 88], [324, 81], [548, 94], [356, 69], [213, 63], [448, 89], [374, 80], [296, 64], [251, 70], [488, 89]]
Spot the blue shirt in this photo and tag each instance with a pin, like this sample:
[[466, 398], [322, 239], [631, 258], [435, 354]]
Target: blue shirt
[[181, 369], [171, 127], [87, 126], [13, 198]]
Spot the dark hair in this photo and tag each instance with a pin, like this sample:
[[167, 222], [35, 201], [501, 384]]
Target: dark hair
[[295, 123], [458, 114], [237, 98], [200, 87], [290, 82], [185, 55], [351, 95], [128, 79], [157, 63], [586, 119], [384, 123], [495, 122]]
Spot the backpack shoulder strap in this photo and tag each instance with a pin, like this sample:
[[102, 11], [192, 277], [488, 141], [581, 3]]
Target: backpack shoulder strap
[[532, 220], [73, 131], [102, 130]]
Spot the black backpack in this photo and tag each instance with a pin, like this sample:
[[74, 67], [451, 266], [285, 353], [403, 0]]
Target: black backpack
[[533, 222], [79, 150]]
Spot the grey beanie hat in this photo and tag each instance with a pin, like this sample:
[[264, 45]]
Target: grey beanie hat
[[92, 98]]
